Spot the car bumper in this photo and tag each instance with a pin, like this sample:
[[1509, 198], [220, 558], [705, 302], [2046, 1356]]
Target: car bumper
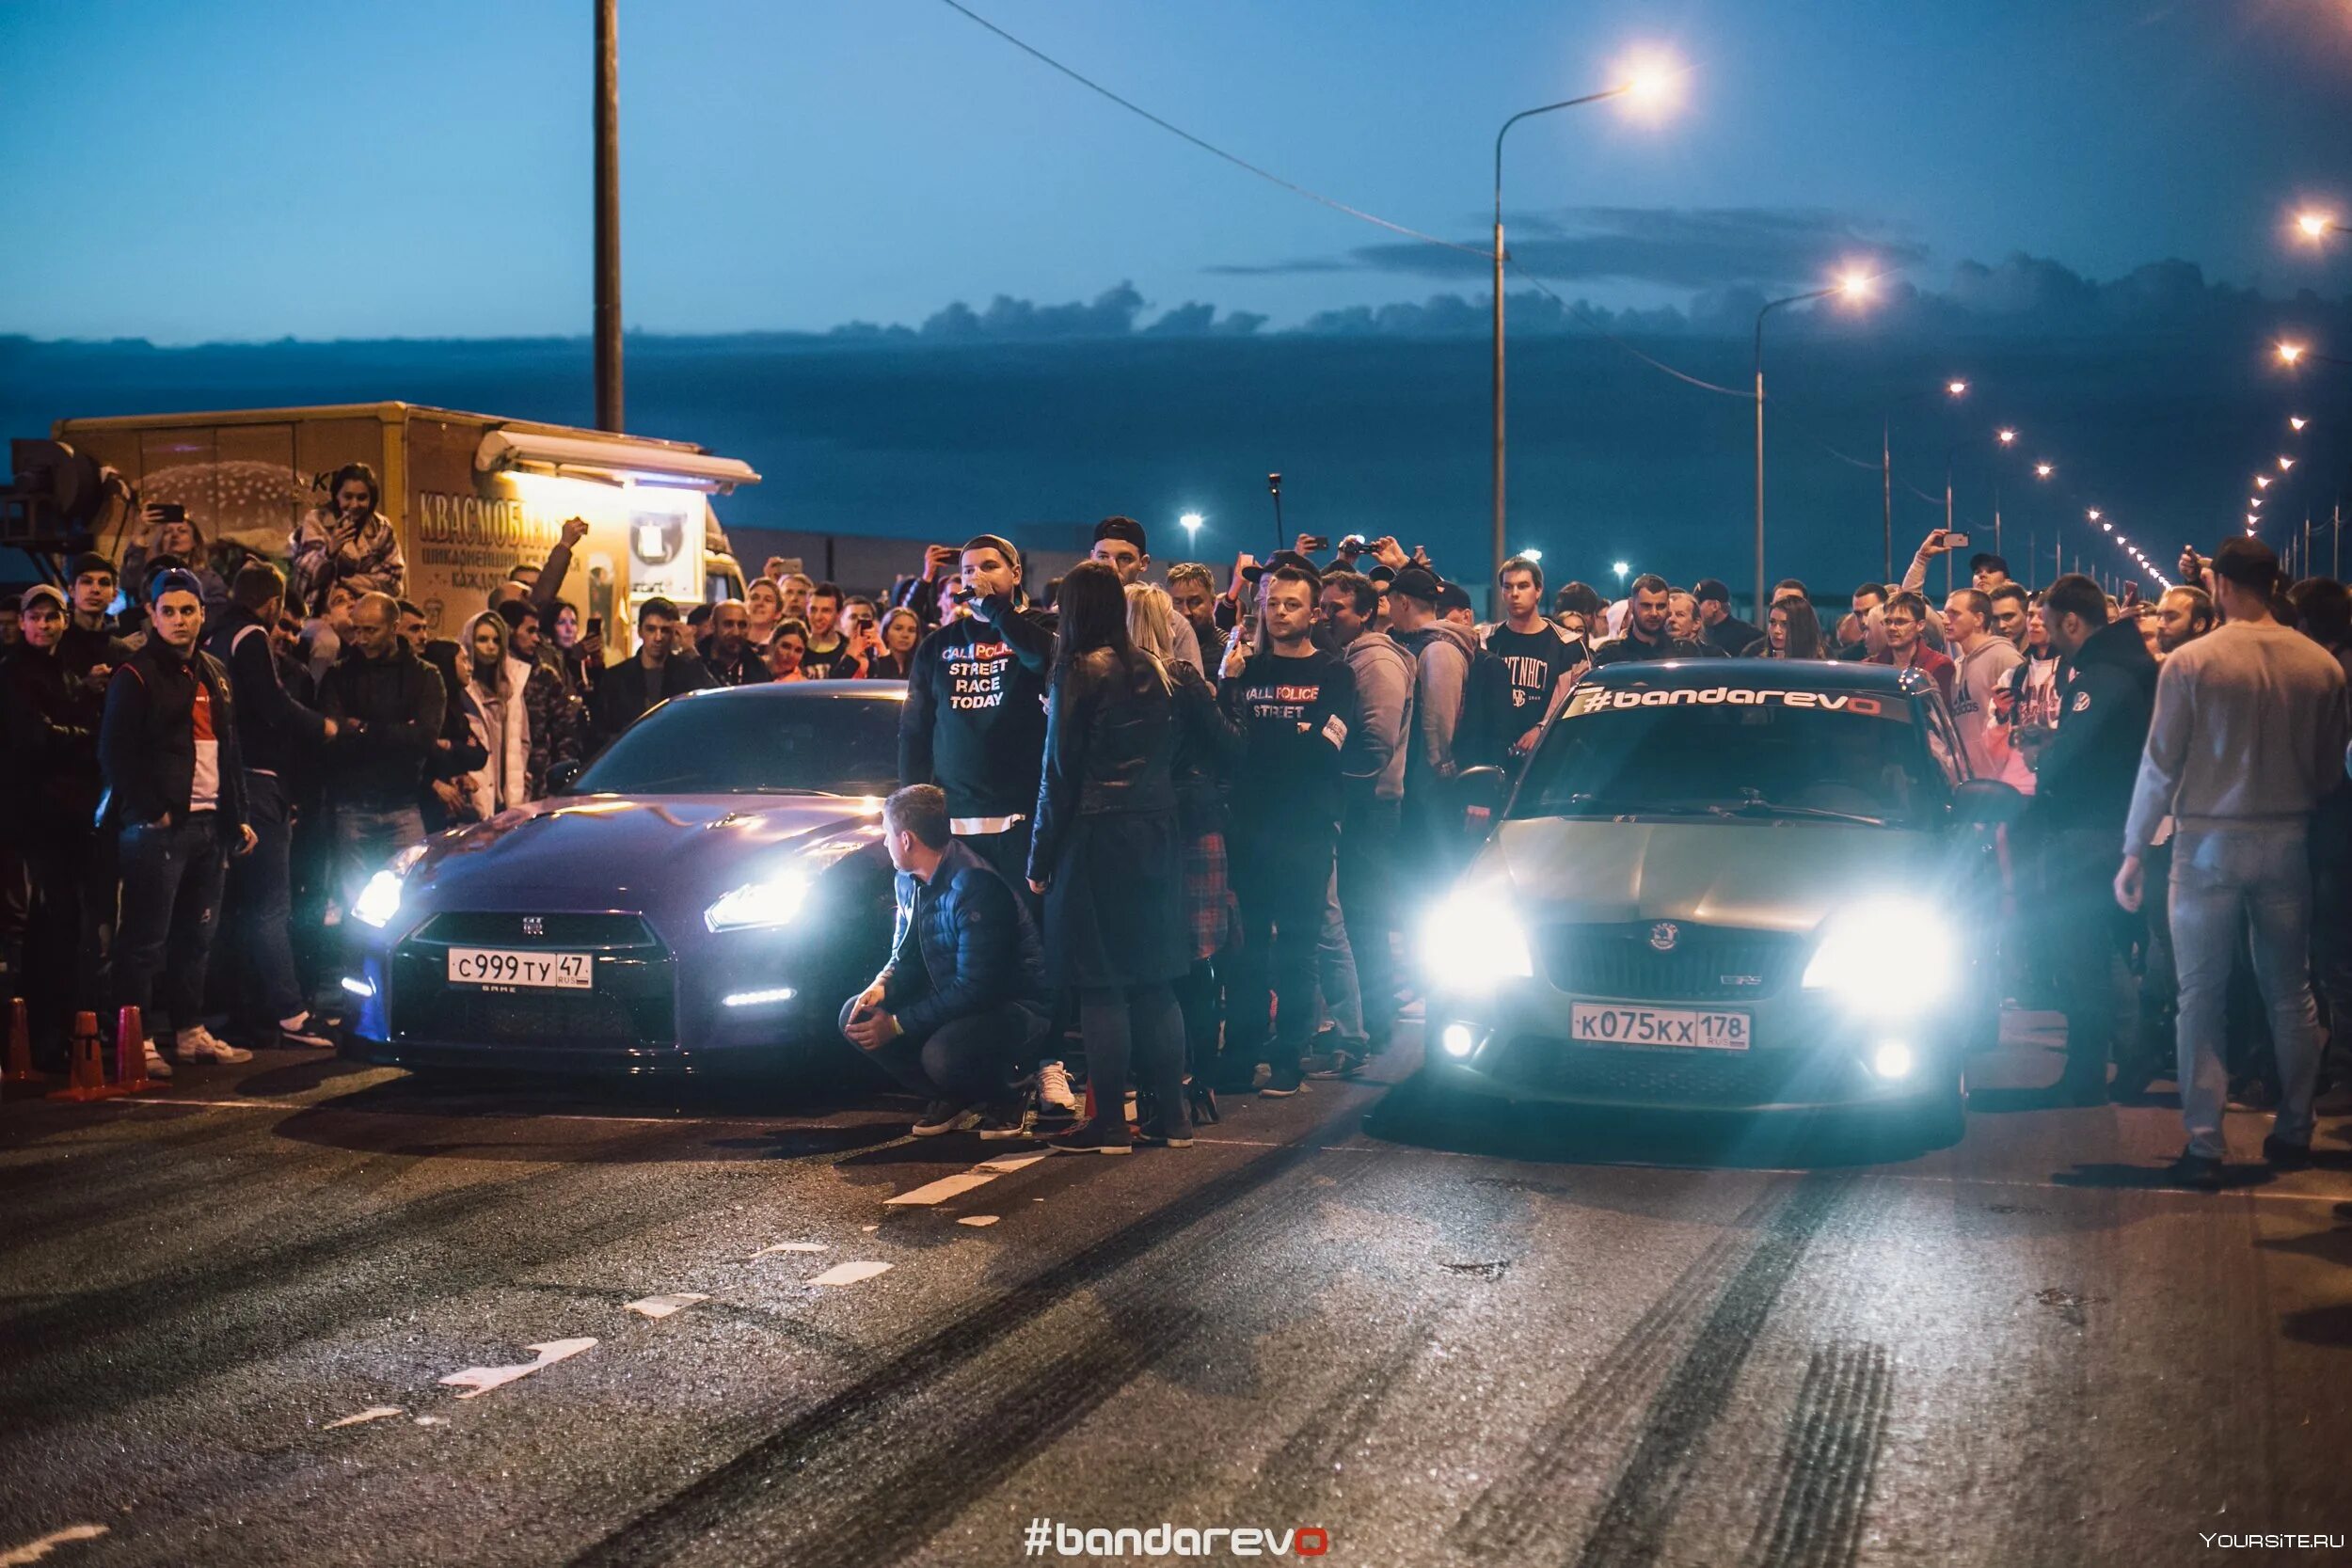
[[1804, 1054], [743, 1001]]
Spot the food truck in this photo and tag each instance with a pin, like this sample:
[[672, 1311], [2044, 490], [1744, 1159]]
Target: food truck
[[470, 495]]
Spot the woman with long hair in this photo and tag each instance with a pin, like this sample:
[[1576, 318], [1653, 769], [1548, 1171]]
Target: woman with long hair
[[503, 725], [1793, 631], [452, 793], [787, 644], [1208, 747], [1105, 855], [901, 630]]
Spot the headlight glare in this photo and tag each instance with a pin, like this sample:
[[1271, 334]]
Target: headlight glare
[[1473, 940], [378, 901], [774, 901], [1897, 955]]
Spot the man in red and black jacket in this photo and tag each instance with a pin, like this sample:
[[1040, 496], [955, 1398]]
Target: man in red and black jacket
[[175, 787]]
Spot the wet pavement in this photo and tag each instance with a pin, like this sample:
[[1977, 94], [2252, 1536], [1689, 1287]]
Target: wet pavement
[[229, 1312]]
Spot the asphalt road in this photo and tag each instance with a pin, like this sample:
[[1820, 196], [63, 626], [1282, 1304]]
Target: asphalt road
[[1509, 1340]]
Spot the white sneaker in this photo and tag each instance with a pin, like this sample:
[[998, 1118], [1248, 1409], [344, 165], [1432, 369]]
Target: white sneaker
[[197, 1045], [156, 1067], [1053, 1088]]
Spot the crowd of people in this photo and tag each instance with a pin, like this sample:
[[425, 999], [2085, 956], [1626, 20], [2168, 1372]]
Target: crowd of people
[[1180, 820]]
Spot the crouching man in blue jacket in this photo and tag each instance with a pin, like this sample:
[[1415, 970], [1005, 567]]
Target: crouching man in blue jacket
[[962, 1000]]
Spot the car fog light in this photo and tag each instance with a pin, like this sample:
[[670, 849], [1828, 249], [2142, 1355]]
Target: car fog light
[[1458, 1040], [758, 998], [1892, 1059]]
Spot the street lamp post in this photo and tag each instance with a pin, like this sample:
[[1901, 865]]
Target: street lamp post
[[1852, 283]]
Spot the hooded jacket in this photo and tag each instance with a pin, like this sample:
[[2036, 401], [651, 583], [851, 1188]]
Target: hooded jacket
[[1373, 761], [1444, 653], [2106, 694]]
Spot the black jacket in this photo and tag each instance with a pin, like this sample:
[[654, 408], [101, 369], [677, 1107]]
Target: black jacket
[[1110, 744], [974, 720], [627, 691], [1208, 749], [397, 701], [974, 944], [745, 669], [273, 731], [1734, 638], [146, 745], [1630, 649], [49, 718], [2106, 694]]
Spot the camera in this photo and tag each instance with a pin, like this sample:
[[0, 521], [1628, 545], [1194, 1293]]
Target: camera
[[1955, 540]]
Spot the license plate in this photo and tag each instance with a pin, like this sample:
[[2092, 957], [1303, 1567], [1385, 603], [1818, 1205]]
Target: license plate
[[1607, 1023], [501, 966]]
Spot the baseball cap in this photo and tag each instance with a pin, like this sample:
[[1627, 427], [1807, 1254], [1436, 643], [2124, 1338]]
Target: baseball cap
[[1453, 595], [42, 591], [1125, 530], [173, 579], [88, 563], [1983, 559], [2248, 563], [1416, 582], [1712, 591]]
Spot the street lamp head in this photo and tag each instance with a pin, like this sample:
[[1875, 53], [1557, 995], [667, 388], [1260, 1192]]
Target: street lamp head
[[2315, 225], [2285, 462], [2094, 513], [1853, 283], [1621, 568], [2262, 481], [1650, 82], [2296, 422], [1530, 553], [2008, 437], [2253, 500], [2043, 470], [2290, 353], [1957, 389], [1190, 521]]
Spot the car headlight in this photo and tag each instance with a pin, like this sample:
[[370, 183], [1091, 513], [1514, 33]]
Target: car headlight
[[776, 900], [1896, 955], [1473, 940], [380, 899]]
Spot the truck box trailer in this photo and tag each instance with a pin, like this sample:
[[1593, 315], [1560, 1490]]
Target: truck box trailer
[[470, 495]]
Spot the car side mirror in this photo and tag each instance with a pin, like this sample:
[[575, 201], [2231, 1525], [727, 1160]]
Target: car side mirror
[[1987, 803], [561, 776], [1478, 793]]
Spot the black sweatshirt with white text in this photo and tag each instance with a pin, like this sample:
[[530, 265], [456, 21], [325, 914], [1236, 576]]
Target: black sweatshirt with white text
[[975, 717], [1294, 715]]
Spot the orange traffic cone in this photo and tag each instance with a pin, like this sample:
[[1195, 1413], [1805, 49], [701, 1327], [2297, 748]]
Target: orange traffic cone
[[89, 1080], [131, 1053], [20, 1069]]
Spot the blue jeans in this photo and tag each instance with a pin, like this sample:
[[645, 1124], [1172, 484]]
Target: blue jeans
[[2226, 884], [365, 838], [171, 881]]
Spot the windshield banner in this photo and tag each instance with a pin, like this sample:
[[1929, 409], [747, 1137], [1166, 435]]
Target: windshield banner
[[1592, 699]]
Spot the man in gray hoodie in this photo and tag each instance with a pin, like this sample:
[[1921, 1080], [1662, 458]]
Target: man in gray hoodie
[[1372, 773], [1444, 652]]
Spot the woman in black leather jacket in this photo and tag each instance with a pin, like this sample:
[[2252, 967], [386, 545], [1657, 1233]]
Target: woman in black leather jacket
[[1105, 855]]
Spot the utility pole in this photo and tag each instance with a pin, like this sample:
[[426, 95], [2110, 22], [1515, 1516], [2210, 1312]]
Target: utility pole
[[608, 221], [1886, 493]]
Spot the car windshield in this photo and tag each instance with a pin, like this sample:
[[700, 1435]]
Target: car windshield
[[1732, 754], [816, 743]]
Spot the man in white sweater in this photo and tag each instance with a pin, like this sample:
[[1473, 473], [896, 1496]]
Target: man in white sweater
[[2248, 734]]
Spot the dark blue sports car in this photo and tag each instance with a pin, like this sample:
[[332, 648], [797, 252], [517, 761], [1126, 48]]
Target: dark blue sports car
[[704, 896]]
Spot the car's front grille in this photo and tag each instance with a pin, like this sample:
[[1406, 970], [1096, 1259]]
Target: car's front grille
[[1700, 963], [632, 1006], [1623, 1076]]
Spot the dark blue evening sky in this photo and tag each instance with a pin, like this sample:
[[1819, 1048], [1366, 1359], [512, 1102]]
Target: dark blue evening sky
[[250, 170]]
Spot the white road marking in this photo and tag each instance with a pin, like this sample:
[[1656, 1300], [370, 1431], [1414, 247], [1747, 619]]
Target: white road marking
[[944, 1189], [790, 1247], [661, 1307], [977, 1220], [849, 1273], [477, 1381], [372, 1413], [1006, 1162], [33, 1551], [869, 1229], [433, 1420]]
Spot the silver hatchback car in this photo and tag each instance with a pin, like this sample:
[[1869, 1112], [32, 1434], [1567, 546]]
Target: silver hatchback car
[[1728, 885]]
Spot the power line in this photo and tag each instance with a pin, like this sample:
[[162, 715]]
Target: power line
[[1576, 315], [1208, 147]]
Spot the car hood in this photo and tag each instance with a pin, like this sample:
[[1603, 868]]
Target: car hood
[[1767, 876], [628, 852]]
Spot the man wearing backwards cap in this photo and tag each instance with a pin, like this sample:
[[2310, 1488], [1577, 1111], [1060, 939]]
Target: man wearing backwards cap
[[1121, 544], [2248, 736], [175, 787]]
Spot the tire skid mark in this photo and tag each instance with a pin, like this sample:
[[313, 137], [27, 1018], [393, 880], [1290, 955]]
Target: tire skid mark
[[841, 1472], [1630, 1528], [1828, 1461], [1522, 1504], [1301, 1467]]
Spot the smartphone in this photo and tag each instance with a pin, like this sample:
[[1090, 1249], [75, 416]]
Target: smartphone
[[1312, 543], [595, 626], [1955, 540], [170, 511]]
